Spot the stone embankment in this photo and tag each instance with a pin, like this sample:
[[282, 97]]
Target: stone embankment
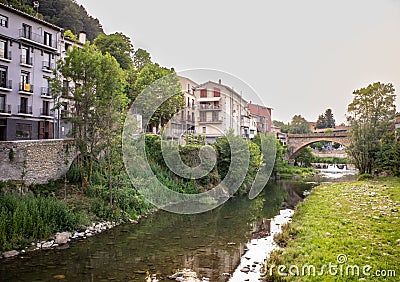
[[61, 239]]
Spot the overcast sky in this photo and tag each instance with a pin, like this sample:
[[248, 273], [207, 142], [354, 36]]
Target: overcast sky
[[301, 57]]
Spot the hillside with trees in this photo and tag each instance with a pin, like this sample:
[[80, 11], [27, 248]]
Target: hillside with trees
[[64, 13]]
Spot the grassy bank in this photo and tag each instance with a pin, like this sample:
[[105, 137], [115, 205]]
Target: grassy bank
[[27, 218], [347, 225]]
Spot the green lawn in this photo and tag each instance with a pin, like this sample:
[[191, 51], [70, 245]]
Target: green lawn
[[356, 223]]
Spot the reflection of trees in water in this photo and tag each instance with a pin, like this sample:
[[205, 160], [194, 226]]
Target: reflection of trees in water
[[164, 242]]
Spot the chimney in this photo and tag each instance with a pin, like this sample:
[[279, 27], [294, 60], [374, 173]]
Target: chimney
[[82, 37], [219, 81]]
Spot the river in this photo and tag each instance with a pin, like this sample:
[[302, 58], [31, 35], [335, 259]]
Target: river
[[211, 243]]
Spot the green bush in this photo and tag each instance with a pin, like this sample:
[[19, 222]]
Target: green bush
[[27, 218], [74, 174], [364, 176]]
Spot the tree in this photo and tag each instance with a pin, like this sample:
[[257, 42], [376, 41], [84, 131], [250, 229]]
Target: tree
[[98, 102], [321, 122], [326, 120], [141, 58], [330, 121], [283, 126], [299, 125], [305, 157], [369, 116], [119, 46], [151, 80]]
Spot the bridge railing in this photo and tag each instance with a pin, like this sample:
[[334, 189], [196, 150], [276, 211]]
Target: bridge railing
[[314, 135]]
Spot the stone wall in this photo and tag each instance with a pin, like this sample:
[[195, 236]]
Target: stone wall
[[35, 161]]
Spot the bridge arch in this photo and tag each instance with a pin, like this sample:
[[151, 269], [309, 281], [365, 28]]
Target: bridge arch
[[297, 142]]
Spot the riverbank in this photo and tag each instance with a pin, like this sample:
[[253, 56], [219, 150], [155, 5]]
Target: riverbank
[[342, 231]]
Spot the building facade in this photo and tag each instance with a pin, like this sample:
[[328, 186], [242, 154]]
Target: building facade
[[219, 109], [261, 116], [29, 49], [184, 121]]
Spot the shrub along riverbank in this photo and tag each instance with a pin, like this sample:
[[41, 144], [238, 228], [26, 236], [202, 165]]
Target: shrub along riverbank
[[353, 226], [71, 203]]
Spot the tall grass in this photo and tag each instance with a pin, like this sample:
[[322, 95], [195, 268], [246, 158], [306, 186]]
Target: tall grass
[[27, 218]]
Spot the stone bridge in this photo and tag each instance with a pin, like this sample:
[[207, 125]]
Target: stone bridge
[[297, 142], [35, 161]]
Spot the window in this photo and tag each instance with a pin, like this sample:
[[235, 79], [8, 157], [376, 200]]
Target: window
[[47, 61], [26, 31], [3, 49], [23, 107], [215, 116], [203, 93], [25, 82], [192, 103], [3, 21], [188, 102], [188, 116], [2, 103], [192, 117], [46, 108], [65, 88], [3, 77], [204, 129], [25, 59], [203, 116], [23, 131], [24, 78], [217, 92], [47, 39]]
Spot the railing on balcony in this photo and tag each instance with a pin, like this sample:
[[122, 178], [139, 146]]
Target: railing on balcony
[[5, 109], [46, 92], [7, 84], [26, 87], [25, 110], [48, 66], [26, 60], [38, 38], [211, 120], [209, 107], [6, 55], [46, 112]]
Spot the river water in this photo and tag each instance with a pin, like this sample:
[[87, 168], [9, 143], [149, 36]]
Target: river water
[[211, 243]]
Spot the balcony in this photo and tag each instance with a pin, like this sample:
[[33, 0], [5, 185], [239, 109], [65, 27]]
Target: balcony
[[204, 107], [210, 120], [47, 66], [5, 109], [6, 85], [24, 110], [5, 56], [46, 93], [26, 61], [46, 112], [25, 88], [37, 38]]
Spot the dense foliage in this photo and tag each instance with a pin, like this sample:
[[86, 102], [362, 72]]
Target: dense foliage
[[24, 219], [64, 13], [326, 120], [370, 115], [298, 125]]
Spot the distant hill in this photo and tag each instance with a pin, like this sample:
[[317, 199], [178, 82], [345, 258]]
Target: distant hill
[[64, 13]]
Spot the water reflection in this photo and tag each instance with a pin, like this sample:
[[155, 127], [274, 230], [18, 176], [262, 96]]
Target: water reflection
[[210, 243]]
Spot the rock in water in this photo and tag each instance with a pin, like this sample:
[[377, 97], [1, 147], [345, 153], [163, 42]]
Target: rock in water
[[62, 238], [10, 254]]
